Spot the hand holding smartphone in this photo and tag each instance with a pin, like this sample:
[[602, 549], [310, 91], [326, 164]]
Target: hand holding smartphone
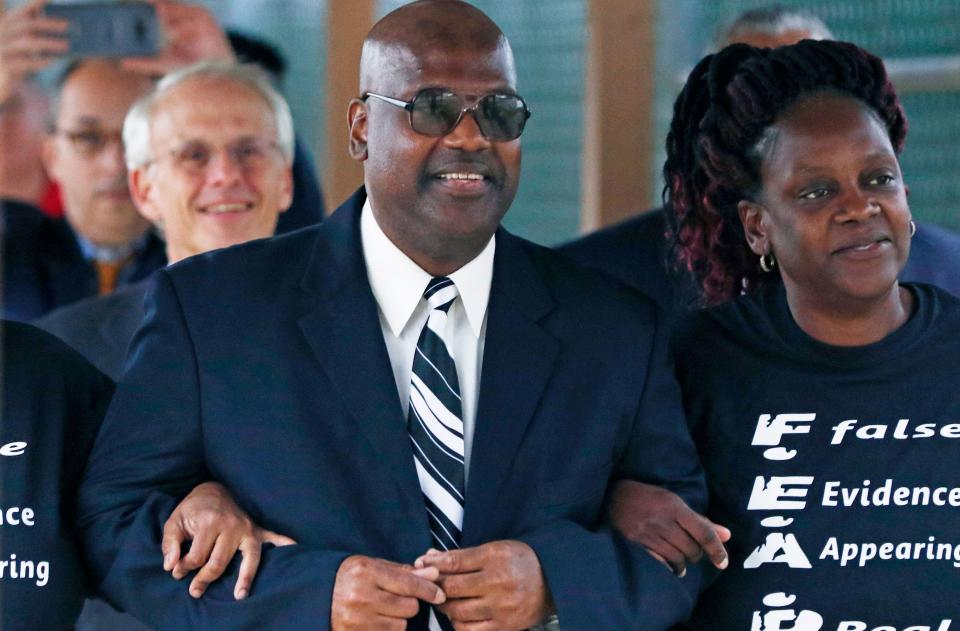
[[29, 42], [109, 29], [151, 38]]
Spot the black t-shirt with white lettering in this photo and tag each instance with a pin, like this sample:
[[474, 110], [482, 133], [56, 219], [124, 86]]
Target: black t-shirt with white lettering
[[52, 403], [837, 468]]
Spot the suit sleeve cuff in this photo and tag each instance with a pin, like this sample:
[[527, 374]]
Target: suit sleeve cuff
[[598, 580], [293, 586]]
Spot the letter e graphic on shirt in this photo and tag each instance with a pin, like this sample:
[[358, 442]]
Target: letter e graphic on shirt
[[775, 494], [782, 619], [770, 431]]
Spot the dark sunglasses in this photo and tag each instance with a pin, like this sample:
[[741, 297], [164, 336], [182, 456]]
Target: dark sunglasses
[[437, 112]]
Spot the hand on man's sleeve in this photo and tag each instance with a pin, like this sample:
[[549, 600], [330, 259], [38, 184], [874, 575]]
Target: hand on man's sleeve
[[148, 455], [598, 578]]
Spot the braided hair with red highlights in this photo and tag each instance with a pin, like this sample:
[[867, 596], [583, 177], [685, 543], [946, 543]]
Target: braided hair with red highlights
[[715, 144]]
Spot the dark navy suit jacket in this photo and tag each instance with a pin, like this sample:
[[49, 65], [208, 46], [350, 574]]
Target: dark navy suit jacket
[[934, 258], [44, 267], [100, 328], [264, 366], [635, 252]]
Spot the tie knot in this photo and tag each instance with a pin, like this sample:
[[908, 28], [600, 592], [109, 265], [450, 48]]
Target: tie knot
[[108, 273], [440, 293]]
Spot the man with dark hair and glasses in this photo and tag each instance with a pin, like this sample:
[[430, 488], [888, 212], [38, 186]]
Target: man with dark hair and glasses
[[102, 241], [432, 407]]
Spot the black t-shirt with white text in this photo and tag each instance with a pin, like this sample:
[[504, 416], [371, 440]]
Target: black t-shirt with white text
[[836, 468], [53, 401]]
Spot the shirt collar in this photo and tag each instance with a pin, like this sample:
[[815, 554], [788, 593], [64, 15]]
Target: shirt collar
[[110, 253], [398, 283]]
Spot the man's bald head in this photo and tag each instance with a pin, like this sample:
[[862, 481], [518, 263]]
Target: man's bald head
[[438, 198], [421, 30]]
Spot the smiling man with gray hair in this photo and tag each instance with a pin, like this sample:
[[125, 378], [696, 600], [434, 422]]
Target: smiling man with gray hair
[[209, 156]]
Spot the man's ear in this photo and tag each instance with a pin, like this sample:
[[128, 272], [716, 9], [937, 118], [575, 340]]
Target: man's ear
[[357, 121], [287, 189], [49, 153], [754, 227], [138, 181]]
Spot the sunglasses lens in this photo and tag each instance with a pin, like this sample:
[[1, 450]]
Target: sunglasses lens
[[435, 112], [502, 116]]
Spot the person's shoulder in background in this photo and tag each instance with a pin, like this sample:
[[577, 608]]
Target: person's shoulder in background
[[307, 207], [934, 258], [635, 252], [100, 328], [36, 248], [44, 377]]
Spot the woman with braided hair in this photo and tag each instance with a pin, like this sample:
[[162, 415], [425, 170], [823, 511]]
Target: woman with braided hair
[[823, 395], [723, 127]]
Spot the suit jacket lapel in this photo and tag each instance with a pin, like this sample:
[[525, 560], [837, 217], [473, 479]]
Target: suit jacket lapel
[[343, 330], [518, 359]]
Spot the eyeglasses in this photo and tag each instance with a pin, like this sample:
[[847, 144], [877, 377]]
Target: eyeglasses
[[437, 112], [249, 154], [90, 142]]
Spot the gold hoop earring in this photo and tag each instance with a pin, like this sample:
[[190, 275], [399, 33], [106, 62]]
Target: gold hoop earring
[[913, 228], [767, 262]]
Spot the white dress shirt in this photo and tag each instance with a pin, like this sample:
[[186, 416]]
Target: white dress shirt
[[398, 285]]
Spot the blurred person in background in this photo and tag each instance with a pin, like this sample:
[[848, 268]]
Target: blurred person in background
[[209, 155], [192, 34], [636, 251], [307, 206], [23, 118], [102, 242]]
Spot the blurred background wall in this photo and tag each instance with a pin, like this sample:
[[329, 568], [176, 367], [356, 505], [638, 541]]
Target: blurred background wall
[[600, 77], [918, 39]]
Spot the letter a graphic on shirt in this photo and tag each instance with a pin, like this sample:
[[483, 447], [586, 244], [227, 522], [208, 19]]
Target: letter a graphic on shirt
[[778, 548]]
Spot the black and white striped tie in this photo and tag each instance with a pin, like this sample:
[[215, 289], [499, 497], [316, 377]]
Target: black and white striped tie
[[436, 427]]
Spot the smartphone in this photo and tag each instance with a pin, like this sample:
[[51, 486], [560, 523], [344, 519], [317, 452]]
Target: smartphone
[[109, 29]]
